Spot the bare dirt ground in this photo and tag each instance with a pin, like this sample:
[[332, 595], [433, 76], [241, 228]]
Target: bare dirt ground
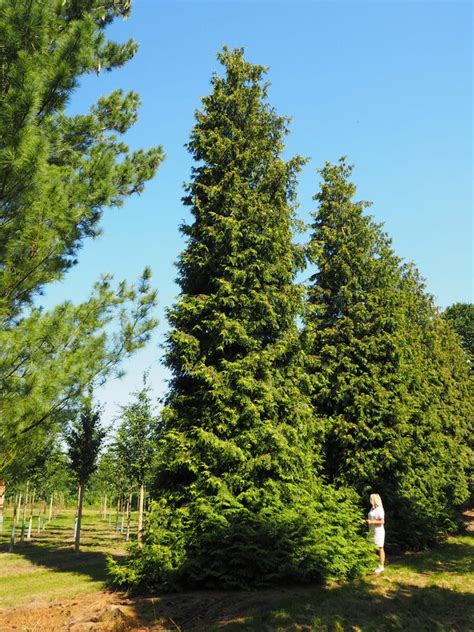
[[114, 612]]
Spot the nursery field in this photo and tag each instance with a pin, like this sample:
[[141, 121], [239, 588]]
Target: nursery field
[[44, 586], [46, 567]]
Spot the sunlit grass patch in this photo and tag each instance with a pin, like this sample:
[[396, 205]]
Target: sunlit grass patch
[[46, 566]]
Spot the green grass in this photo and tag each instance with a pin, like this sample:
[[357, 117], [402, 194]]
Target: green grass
[[430, 591], [424, 592], [46, 567]]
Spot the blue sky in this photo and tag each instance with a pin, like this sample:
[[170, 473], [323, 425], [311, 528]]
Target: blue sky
[[386, 83]]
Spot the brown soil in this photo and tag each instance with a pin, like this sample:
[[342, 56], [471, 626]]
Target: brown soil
[[115, 612]]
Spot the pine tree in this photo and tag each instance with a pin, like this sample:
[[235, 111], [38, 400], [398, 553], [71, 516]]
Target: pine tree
[[387, 375], [57, 175], [241, 501]]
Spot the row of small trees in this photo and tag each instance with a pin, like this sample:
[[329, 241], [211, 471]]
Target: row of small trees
[[129, 460], [79, 460]]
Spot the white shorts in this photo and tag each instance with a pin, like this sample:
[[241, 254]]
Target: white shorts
[[379, 537]]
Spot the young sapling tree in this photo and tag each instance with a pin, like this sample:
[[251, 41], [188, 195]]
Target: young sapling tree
[[136, 443], [84, 439]]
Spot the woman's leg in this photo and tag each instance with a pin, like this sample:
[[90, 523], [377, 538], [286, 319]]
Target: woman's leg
[[382, 556]]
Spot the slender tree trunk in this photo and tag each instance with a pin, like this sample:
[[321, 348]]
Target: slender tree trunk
[[15, 518], [104, 515], [16, 513], [32, 509], [123, 515], [25, 504], [117, 516], [141, 503], [129, 513], [50, 508], [77, 537], [2, 502]]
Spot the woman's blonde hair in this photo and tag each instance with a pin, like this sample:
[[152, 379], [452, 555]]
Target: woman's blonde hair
[[375, 500]]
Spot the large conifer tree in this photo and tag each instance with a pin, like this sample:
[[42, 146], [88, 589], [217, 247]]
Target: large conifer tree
[[242, 504], [388, 375]]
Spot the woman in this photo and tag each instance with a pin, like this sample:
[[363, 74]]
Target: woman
[[376, 521]]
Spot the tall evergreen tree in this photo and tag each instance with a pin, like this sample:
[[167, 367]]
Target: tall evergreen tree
[[57, 175], [387, 375], [242, 503]]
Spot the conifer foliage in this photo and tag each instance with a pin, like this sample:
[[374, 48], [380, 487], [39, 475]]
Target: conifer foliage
[[241, 501], [57, 175], [387, 374], [461, 318]]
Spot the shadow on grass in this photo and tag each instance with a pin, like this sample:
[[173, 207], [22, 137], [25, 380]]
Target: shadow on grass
[[416, 598], [356, 606], [53, 549], [90, 563]]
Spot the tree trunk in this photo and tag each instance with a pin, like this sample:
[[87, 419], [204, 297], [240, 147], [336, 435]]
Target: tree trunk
[[140, 513], [77, 538], [16, 512], [122, 522], [117, 516], [129, 512], [2, 502], [50, 509], [25, 504], [32, 509]]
